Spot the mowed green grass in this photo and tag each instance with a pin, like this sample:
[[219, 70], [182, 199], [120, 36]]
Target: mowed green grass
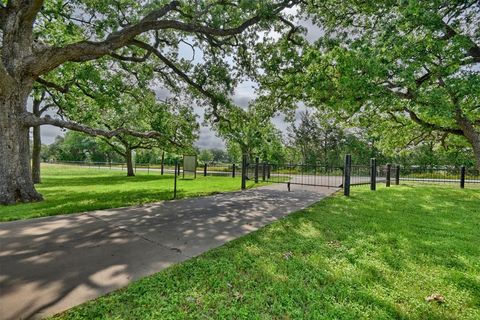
[[70, 189], [375, 255]]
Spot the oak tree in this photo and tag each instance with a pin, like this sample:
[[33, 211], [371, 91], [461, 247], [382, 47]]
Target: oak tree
[[38, 37]]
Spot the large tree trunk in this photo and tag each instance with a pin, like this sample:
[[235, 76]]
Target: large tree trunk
[[16, 183], [163, 162], [36, 150], [129, 159], [474, 138], [470, 133], [37, 145]]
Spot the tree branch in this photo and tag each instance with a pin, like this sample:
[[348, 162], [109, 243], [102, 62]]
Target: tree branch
[[213, 98], [31, 120], [432, 126], [52, 57], [473, 51], [53, 85], [114, 147], [31, 9]]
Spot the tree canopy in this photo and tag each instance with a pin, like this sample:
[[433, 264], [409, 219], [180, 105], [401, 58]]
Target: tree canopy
[[44, 42]]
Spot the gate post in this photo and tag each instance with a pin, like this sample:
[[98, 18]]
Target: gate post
[[397, 175], [462, 177], [373, 174], [347, 172], [205, 170], [244, 172], [389, 169], [233, 170], [175, 180], [163, 163], [256, 169], [264, 169]]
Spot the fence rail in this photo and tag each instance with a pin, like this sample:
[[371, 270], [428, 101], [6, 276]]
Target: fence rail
[[439, 175], [311, 174]]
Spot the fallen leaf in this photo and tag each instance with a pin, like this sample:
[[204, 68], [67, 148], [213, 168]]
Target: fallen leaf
[[287, 255], [435, 297]]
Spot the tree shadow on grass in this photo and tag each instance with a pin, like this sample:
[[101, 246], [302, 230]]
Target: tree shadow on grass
[[361, 257], [48, 262], [79, 181]]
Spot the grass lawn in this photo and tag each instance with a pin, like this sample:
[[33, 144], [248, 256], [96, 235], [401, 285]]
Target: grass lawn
[[375, 255], [69, 189]]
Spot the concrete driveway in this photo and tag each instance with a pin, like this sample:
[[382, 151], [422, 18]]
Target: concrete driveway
[[50, 264]]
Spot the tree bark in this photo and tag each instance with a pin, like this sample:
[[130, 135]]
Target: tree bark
[[163, 162], [37, 145], [16, 184], [36, 159], [471, 134], [129, 160]]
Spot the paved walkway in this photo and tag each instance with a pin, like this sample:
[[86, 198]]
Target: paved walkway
[[50, 264]]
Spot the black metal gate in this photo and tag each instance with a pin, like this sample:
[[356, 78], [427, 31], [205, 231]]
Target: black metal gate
[[313, 174], [293, 174]]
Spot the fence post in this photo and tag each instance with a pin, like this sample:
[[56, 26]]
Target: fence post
[[269, 167], [205, 170], [175, 180], [389, 169], [347, 173], [373, 174], [264, 169], [397, 175], [244, 172], [148, 168], [233, 170], [462, 177], [256, 169]]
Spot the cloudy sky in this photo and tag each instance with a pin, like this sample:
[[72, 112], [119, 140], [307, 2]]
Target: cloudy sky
[[244, 93]]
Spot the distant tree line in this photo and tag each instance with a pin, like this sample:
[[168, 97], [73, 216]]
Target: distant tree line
[[313, 139]]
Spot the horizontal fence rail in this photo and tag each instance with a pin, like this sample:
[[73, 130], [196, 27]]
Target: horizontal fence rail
[[371, 174], [442, 175], [301, 174], [212, 169]]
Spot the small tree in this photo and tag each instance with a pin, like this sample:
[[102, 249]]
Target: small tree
[[205, 156]]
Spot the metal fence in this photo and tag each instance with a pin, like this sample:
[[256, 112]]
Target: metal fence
[[443, 175], [350, 175], [301, 174], [346, 176], [211, 169]]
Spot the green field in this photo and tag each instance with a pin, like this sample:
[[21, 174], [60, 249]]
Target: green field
[[70, 189], [375, 255]]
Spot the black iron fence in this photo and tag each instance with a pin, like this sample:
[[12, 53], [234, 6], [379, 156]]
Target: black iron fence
[[211, 169], [350, 175], [444, 175], [346, 176]]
